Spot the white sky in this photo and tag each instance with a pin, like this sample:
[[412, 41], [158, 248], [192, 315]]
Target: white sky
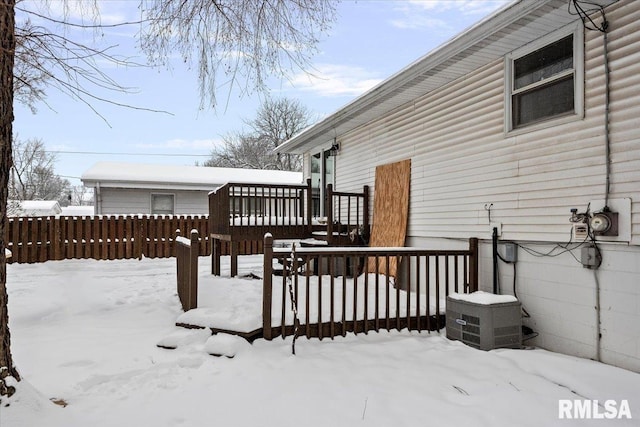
[[370, 41]]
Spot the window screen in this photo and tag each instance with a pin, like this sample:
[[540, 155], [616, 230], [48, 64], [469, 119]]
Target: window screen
[[543, 83]]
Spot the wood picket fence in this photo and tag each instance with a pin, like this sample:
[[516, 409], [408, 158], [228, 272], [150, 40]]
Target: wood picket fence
[[104, 237]]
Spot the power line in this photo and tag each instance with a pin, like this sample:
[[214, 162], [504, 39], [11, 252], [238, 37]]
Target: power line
[[98, 153]]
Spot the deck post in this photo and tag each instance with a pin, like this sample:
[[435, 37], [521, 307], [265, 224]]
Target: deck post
[[234, 257], [473, 265], [193, 269], [309, 212], [216, 251], [267, 286], [365, 213], [328, 210]]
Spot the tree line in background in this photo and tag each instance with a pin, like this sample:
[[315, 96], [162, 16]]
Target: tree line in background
[[32, 177]]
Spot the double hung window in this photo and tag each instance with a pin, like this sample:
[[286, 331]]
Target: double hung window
[[544, 80]]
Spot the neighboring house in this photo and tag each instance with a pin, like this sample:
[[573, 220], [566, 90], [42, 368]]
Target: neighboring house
[[77, 211], [506, 128], [133, 188], [33, 208]]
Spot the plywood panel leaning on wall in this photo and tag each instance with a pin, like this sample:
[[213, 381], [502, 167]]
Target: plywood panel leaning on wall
[[390, 212]]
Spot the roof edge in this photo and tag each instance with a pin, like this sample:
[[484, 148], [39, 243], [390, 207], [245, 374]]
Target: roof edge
[[479, 31]]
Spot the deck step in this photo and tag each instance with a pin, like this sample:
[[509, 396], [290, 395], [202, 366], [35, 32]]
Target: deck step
[[184, 336], [250, 337], [226, 345]]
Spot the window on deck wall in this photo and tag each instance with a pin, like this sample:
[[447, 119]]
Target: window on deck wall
[[322, 173], [162, 204], [545, 80]]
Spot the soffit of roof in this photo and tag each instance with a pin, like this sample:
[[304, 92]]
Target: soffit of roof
[[511, 27], [152, 185]]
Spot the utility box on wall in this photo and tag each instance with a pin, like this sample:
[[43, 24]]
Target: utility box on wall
[[483, 323]]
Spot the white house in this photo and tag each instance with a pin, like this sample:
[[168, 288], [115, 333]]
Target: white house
[[134, 188], [511, 125]]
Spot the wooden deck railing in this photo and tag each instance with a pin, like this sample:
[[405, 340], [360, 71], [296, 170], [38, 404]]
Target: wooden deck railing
[[346, 211], [247, 210], [242, 211], [363, 302], [187, 251], [39, 239]]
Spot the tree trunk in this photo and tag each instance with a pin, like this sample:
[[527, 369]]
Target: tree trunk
[[7, 55]]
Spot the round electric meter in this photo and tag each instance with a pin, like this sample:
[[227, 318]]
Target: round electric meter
[[600, 223]]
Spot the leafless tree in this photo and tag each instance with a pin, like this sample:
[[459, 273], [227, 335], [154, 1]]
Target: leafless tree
[[276, 121], [32, 174], [243, 151], [244, 41], [81, 196], [241, 41]]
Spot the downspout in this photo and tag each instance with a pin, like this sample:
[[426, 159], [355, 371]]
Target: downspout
[[98, 199]]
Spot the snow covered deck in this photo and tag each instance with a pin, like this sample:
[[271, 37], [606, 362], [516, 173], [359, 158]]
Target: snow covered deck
[[235, 305], [336, 290]]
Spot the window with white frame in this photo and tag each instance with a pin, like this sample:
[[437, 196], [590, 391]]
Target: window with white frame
[[162, 204], [544, 80]]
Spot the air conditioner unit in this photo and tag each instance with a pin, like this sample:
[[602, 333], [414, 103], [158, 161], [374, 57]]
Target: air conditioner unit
[[484, 325]]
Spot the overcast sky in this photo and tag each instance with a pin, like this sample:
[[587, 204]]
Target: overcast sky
[[370, 41]]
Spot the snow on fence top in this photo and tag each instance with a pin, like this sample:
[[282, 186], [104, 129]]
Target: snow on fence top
[[183, 240]]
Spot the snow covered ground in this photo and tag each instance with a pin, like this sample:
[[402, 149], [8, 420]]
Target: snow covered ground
[[85, 332]]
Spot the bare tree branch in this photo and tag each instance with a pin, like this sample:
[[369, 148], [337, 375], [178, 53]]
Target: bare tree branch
[[244, 40], [45, 58]]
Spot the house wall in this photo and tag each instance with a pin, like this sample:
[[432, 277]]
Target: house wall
[[462, 162], [127, 201]]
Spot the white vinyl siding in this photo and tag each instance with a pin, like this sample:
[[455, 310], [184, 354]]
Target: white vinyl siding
[[125, 201], [461, 159]]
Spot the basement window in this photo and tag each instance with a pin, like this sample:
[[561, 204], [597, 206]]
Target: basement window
[[545, 80], [162, 204]]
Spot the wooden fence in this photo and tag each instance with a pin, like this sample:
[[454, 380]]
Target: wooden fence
[[39, 239], [187, 251], [330, 303]]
